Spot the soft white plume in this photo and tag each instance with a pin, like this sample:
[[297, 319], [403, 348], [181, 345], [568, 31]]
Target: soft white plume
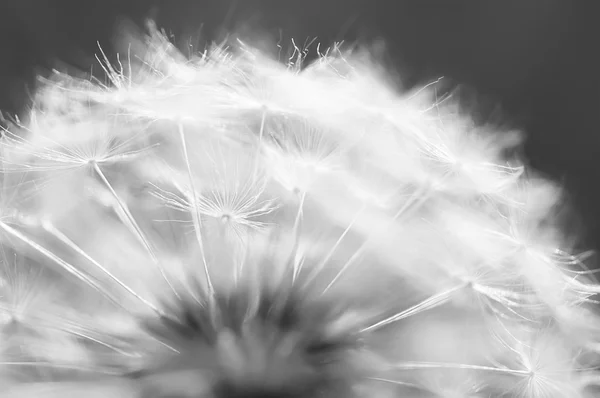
[[387, 220]]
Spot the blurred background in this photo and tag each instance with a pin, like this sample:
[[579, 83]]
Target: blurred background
[[530, 63]]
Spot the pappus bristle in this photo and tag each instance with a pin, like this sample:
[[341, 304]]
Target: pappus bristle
[[230, 225]]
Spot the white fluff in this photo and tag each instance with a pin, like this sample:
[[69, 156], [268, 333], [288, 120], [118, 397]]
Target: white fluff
[[187, 177]]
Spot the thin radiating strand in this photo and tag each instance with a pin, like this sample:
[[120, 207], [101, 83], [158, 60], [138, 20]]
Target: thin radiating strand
[[82, 334], [474, 389], [398, 383], [416, 200], [431, 302], [51, 229], [315, 272], [65, 265], [54, 365], [132, 225], [261, 133], [195, 213], [297, 229], [449, 365], [239, 268]]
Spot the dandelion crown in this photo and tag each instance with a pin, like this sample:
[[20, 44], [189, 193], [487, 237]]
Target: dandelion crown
[[232, 226]]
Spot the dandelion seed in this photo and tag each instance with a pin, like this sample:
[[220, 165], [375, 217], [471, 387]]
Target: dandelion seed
[[236, 201], [101, 148], [300, 153], [20, 290], [548, 365]]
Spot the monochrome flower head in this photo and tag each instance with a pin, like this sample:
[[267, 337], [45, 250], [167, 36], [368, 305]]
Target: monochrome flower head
[[228, 224]]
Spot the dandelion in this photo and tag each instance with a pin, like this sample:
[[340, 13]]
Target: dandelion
[[226, 224]]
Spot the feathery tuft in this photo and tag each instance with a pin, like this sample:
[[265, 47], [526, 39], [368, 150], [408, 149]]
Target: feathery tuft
[[228, 225]]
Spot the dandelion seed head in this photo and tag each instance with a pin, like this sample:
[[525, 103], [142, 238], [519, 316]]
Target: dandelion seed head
[[226, 224]]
